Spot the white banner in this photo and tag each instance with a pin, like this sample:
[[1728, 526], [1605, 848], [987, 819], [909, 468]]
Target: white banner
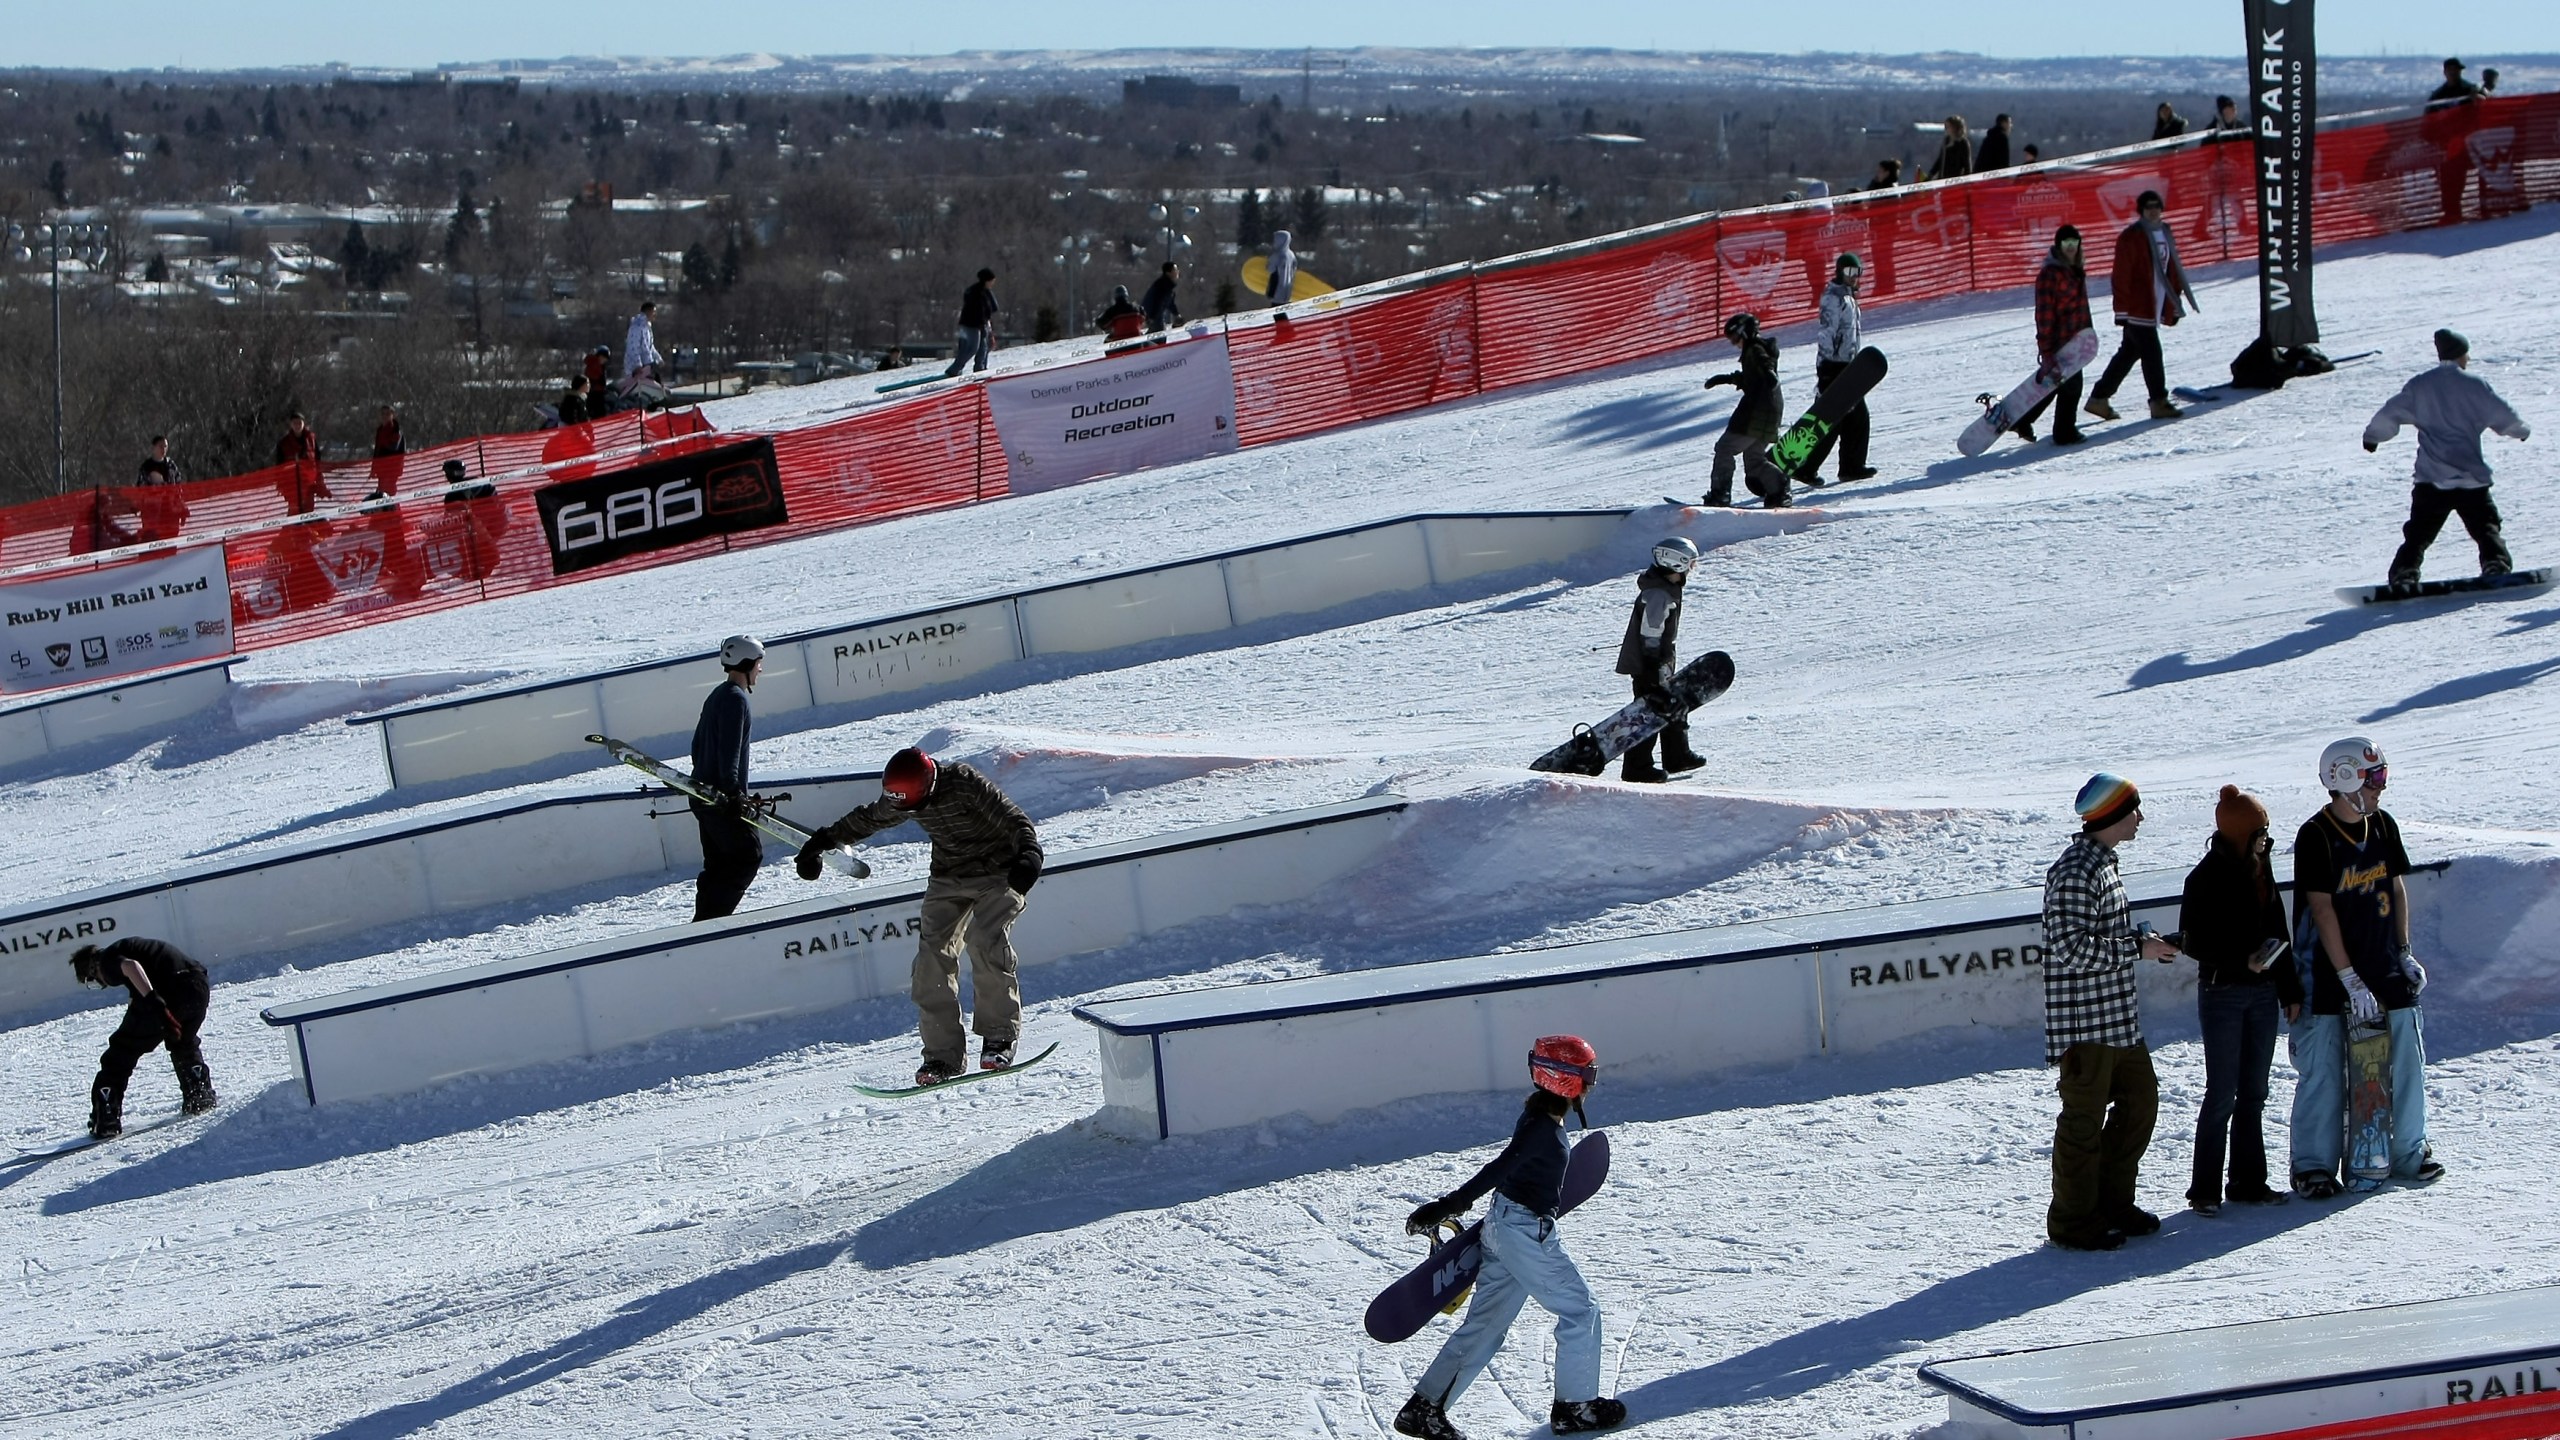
[[1155, 406], [104, 623]]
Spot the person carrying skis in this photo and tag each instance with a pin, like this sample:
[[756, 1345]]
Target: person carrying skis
[[2232, 918], [1837, 346], [2093, 1027], [2351, 939], [1648, 655], [2151, 291], [1524, 1259], [731, 850], [986, 858], [1753, 426], [2449, 407], [166, 994], [2062, 312]]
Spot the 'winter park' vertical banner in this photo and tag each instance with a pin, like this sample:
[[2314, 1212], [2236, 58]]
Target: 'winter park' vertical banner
[[1155, 406], [2284, 97], [99, 624]]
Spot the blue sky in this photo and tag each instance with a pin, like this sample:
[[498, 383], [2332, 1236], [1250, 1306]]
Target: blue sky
[[205, 35]]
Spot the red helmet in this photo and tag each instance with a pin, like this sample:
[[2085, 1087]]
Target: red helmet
[[1564, 1064], [909, 778]]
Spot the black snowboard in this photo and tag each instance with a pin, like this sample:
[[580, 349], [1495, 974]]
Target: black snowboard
[[2523, 582], [1592, 748], [1795, 450], [1441, 1281]]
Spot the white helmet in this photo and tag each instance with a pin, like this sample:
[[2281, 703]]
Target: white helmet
[[2351, 764], [1676, 555], [739, 651]]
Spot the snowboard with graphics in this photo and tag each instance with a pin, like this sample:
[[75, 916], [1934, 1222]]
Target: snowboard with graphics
[[1440, 1283], [1590, 750], [2368, 1103], [841, 860], [2003, 414], [1795, 450]]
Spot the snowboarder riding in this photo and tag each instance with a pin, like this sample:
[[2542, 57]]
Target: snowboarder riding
[[1648, 656], [1756, 419], [2450, 408], [731, 852], [166, 996], [986, 858], [1524, 1259]]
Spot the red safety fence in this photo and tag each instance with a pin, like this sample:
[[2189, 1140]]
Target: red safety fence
[[2518, 1416], [1384, 350]]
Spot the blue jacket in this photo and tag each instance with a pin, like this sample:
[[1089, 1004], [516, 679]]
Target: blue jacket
[[720, 740]]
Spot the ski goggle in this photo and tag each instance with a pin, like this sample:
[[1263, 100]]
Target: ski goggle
[[1588, 1074], [2375, 777]]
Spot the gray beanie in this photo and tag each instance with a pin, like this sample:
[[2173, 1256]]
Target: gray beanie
[[2450, 346]]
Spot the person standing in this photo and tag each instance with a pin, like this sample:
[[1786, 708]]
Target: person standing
[[1281, 281], [986, 858], [1753, 426], [2232, 919], [2455, 89], [1121, 319], [1163, 303], [1955, 152], [975, 337], [299, 450], [2351, 936], [598, 367], [1649, 655], [731, 849], [2062, 312], [1524, 1259], [157, 467], [390, 452], [1837, 344], [166, 994], [2167, 123], [1888, 175], [2450, 407], [2151, 291], [573, 402], [640, 357], [2228, 123], [2093, 1027], [1993, 153]]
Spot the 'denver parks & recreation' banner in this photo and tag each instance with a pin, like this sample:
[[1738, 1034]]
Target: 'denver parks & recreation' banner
[[1157, 405]]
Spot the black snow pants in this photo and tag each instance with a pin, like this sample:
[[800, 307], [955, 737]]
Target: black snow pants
[[2428, 507], [146, 1028], [732, 850]]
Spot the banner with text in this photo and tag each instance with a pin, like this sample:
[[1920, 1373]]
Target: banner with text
[[1155, 406], [660, 505], [99, 624], [2284, 96]]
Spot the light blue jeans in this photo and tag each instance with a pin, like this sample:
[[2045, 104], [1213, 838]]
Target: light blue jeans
[[1524, 1259], [2318, 1044]]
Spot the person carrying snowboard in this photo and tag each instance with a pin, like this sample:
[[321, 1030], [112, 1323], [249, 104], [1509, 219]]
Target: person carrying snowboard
[[166, 994], [1648, 655], [1837, 346], [986, 858], [2351, 938], [2233, 919], [2151, 291], [1524, 1259], [731, 850], [1280, 281], [2062, 312], [2450, 407], [1755, 421]]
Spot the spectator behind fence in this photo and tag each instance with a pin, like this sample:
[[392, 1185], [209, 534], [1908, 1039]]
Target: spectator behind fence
[[2228, 122], [1888, 175], [2455, 89], [389, 448], [1994, 152], [1121, 319], [2488, 82], [2167, 123], [299, 448], [573, 402], [157, 467], [1955, 152], [2034, 154]]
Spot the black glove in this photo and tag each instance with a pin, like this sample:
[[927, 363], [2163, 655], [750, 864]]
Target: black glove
[[2370, 447], [1715, 381], [1022, 875], [809, 864], [737, 807], [1427, 1218]]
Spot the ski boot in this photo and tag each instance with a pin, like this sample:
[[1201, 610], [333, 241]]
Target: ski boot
[[934, 1072], [195, 1089], [1425, 1420], [995, 1055], [1572, 1418], [2099, 407], [2161, 409], [106, 1112]]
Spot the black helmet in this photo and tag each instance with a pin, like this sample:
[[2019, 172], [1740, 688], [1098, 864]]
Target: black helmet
[[1743, 327]]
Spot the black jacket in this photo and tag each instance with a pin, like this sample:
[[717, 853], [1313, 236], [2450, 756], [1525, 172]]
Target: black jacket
[[1163, 306], [978, 307], [165, 965], [720, 740], [1530, 1170], [1994, 151], [1954, 158], [2230, 910], [1763, 406], [1638, 656]]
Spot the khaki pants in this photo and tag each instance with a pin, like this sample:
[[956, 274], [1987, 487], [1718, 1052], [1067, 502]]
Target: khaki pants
[[987, 906], [2110, 1099]]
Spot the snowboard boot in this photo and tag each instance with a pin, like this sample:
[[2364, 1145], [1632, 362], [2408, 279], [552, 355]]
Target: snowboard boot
[[1425, 1420], [1721, 498], [1577, 1416], [2316, 1185], [195, 1089], [2402, 582], [2063, 435], [934, 1072], [2099, 407], [2161, 409], [2133, 1220], [995, 1055], [106, 1112], [2097, 1239], [1859, 472], [1640, 770], [2024, 431], [1681, 760]]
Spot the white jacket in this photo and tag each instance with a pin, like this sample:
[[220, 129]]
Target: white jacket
[[1284, 268], [639, 345], [2450, 407], [1838, 339]]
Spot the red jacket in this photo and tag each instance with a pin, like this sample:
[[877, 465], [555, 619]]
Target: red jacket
[[2134, 297], [2062, 306]]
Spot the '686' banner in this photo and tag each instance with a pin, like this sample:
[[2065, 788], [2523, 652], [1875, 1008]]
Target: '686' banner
[[660, 505]]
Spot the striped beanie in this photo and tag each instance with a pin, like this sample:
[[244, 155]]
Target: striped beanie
[[2105, 800]]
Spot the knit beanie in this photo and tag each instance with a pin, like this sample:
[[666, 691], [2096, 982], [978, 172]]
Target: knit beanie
[[2450, 346], [2105, 800], [2238, 816]]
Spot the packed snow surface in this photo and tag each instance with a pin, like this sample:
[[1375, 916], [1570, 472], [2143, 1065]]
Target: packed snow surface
[[715, 1235]]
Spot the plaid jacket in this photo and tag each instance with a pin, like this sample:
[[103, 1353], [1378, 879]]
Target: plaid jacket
[[2089, 950], [2062, 306], [975, 830]]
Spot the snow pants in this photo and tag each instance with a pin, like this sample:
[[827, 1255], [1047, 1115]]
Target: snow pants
[[1674, 738], [2110, 1101], [146, 1029], [1758, 471], [2067, 395], [2319, 1047], [2429, 505], [981, 909], [1850, 434], [969, 345], [1524, 1260], [2239, 1024], [2135, 343], [732, 851]]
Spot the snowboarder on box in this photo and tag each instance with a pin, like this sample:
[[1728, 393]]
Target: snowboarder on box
[[2062, 312], [2093, 1027], [2232, 918], [2151, 292], [1524, 1259], [2351, 938], [1755, 421], [986, 858], [1837, 344], [2450, 407], [731, 851], [1648, 655], [165, 998]]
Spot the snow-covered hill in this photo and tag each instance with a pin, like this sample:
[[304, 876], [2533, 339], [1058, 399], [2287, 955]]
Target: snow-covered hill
[[715, 1236]]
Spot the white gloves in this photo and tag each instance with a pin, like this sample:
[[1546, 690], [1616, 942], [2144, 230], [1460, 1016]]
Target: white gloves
[[2360, 1001], [2410, 967]]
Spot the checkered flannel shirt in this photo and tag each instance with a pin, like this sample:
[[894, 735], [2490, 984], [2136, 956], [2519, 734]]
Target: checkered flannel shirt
[[2089, 949]]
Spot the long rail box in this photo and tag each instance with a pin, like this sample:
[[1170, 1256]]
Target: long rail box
[[44, 724]]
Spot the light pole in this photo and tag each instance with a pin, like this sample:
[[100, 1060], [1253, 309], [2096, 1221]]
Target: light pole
[[88, 244], [1170, 218], [1074, 253]]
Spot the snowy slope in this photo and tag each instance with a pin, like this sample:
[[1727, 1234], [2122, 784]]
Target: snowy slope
[[713, 1235]]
